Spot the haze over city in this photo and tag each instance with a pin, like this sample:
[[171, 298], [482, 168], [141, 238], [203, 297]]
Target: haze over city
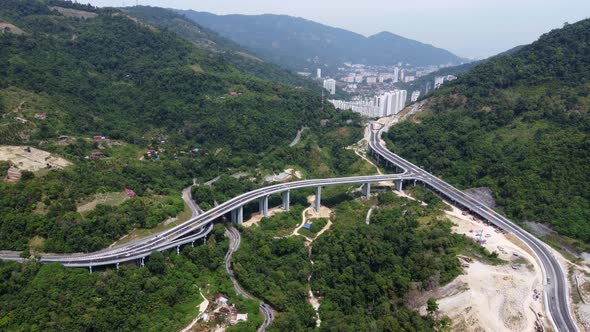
[[472, 29]]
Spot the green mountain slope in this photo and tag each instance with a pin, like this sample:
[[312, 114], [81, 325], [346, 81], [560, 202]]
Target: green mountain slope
[[210, 41], [297, 43], [421, 83], [519, 124], [113, 76], [70, 69]]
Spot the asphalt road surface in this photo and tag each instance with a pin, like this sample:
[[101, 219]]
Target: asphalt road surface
[[556, 285], [234, 244]]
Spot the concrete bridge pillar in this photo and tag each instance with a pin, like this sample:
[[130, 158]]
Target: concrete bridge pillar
[[90, 269], [178, 250], [263, 206], [237, 215], [286, 200], [117, 266], [142, 262], [240, 215], [318, 198], [399, 185], [366, 189], [193, 244]]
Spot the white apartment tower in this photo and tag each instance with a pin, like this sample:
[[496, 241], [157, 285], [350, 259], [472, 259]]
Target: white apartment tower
[[403, 96], [330, 85], [319, 73], [392, 102]]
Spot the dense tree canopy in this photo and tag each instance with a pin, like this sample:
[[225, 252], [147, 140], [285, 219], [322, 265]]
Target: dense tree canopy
[[368, 276], [161, 297], [519, 124], [114, 76], [144, 88]]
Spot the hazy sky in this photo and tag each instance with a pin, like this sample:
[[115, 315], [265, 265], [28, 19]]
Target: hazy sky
[[469, 28]]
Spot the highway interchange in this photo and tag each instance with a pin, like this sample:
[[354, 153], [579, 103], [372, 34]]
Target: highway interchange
[[200, 225]]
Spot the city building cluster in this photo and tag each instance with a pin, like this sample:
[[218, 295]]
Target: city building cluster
[[366, 80], [388, 103], [376, 90]]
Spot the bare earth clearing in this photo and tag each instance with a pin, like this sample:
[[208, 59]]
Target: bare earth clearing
[[69, 12], [493, 298], [112, 199], [31, 161], [7, 27]]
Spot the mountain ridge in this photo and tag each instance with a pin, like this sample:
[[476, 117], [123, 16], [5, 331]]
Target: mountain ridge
[[299, 43], [212, 42]]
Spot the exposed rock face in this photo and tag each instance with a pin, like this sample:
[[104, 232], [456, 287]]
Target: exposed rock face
[[483, 194]]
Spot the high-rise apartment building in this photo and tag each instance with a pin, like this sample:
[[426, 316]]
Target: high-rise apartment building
[[330, 85]]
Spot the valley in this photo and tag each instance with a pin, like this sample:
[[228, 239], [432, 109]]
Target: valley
[[179, 170]]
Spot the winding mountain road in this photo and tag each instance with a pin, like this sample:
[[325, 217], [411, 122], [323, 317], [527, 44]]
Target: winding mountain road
[[234, 243]]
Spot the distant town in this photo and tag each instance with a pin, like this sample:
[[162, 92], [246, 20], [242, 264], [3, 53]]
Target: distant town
[[375, 89]]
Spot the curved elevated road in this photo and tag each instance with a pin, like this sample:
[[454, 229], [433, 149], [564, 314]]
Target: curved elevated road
[[556, 288], [193, 229], [557, 297]]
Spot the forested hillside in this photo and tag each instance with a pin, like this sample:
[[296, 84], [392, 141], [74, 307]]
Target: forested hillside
[[110, 75], [210, 41], [420, 83], [75, 70], [300, 44], [160, 297], [367, 276], [519, 124]]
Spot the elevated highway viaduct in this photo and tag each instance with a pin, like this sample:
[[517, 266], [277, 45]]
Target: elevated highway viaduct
[[198, 227]]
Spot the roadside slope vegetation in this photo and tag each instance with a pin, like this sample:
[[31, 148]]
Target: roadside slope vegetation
[[519, 124]]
